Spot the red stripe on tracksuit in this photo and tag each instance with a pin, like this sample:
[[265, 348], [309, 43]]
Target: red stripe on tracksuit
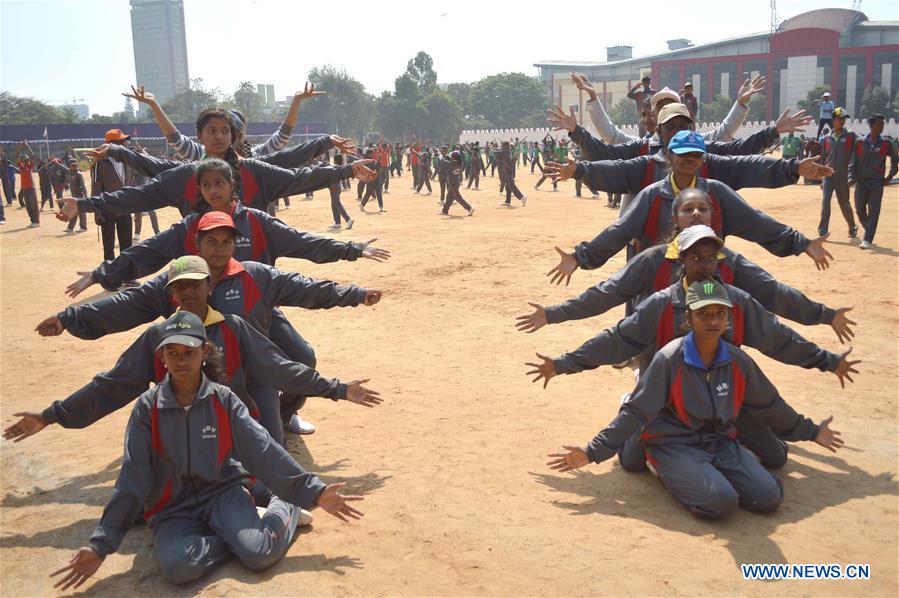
[[663, 276], [224, 429], [677, 397], [232, 350], [258, 242], [248, 186], [251, 292], [665, 330], [717, 218], [651, 228], [738, 325], [156, 443], [190, 238], [739, 383], [725, 272]]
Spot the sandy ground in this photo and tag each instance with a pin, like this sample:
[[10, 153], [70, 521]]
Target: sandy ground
[[458, 498]]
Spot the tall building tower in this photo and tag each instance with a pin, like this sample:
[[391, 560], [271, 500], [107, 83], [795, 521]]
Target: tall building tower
[[160, 46]]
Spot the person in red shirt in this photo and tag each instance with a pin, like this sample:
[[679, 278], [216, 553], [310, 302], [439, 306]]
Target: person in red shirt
[[27, 193]]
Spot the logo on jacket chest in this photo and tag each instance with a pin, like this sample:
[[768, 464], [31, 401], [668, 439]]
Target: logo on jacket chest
[[722, 389], [242, 241], [232, 294], [208, 433]]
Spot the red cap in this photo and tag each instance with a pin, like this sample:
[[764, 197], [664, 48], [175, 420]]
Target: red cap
[[211, 220], [115, 135]]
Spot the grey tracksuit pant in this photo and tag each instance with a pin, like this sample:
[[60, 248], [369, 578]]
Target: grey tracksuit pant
[[840, 186], [868, 197], [713, 478], [191, 545], [755, 436]]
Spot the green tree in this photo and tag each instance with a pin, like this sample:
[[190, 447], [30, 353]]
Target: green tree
[[809, 104], [757, 108], [443, 120], [506, 99], [248, 101], [18, 110], [459, 92], [346, 109], [717, 109], [875, 100], [185, 105], [421, 70], [624, 112]]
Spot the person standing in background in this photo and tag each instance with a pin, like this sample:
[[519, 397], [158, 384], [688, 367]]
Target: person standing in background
[[108, 176], [868, 171], [689, 100], [825, 116], [43, 177], [78, 189], [27, 194], [837, 151]]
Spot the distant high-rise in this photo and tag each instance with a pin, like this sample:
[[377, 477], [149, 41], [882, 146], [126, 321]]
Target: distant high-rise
[[160, 46]]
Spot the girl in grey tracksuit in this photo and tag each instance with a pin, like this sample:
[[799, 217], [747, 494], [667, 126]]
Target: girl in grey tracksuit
[[248, 358], [649, 218]]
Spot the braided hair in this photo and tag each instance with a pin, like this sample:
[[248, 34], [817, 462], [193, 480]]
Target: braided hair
[[242, 147]]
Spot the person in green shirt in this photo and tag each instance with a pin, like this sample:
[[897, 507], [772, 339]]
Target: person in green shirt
[[790, 145]]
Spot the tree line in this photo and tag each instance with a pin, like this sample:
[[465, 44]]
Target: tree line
[[417, 107]]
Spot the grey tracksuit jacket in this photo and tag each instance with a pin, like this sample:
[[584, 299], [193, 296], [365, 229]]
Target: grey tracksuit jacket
[[656, 269], [631, 176], [249, 290], [612, 134], [869, 164], [679, 401], [838, 153], [648, 218], [247, 356], [177, 460], [593, 148], [264, 239], [660, 318], [260, 183]]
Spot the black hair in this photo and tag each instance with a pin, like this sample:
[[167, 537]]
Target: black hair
[[875, 117], [213, 165], [202, 233], [231, 156], [684, 195], [214, 363]]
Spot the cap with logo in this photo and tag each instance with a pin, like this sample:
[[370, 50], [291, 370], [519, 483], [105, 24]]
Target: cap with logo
[[115, 135], [840, 112], [665, 93], [674, 110], [692, 235], [182, 328], [686, 142], [188, 267], [213, 220], [707, 292]]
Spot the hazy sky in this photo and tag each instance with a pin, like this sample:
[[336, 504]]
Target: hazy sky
[[62, 50]]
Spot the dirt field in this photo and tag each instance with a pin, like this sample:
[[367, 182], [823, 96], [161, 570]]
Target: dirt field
[[459, 500]]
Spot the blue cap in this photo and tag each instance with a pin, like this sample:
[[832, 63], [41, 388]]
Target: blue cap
[[686, 142]]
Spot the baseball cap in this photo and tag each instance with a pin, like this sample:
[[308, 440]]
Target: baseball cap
[[115, 135], [840, 112], [692, 235], [826, 94], [673, 110], [212, 220], [188, 267], [182, 328], [688, 84], [707, 292], [685, 142], [664, 94]]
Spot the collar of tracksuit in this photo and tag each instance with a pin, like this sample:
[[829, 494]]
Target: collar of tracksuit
[[212, 317], [675, 189], [166, 396], [233, 268], [874, 143], [692, 357]]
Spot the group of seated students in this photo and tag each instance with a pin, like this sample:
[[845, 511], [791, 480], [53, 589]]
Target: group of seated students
[[703, 417]]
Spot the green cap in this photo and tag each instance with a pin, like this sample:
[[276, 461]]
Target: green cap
[[707, 292]]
